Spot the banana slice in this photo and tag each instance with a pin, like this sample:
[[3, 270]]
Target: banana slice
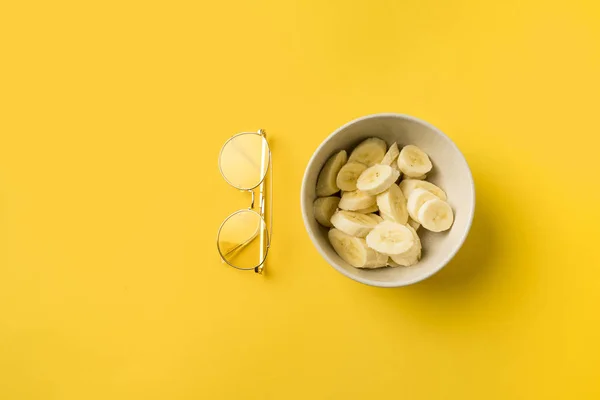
[[370, 152], [417, 198], [369, 210], [392, 205], [408, 185], [348, 175], [413, 161], [436, 215], [395, 166], [391, 155], [377, 179], [390, 238], [326, 183], [353, 223], [324, 207], [355, 250], [412, 256], [356, 200], [413, 224]]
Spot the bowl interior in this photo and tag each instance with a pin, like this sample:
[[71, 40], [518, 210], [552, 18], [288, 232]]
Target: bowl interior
[[450, 172]]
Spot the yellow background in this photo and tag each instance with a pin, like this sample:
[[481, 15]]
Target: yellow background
[[111, 118]]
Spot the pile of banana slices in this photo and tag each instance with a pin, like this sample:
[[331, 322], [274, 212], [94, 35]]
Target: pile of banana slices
[[375, 221]]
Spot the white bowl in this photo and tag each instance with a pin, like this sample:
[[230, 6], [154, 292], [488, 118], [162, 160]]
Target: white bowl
[[450, 172]]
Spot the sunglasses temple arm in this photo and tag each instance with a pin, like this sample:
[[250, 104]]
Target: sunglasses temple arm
[[264, 237], [270, 201]]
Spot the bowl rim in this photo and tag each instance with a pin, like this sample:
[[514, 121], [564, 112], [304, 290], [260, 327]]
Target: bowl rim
[[331, 262]]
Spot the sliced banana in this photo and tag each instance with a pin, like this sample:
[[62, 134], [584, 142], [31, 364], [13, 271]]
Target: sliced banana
[[377, 179], [412, 256], [392, 205], [436, 215], [395, 166], [391, 155], [324, 208], [417, 198], [326, 183], [413, 161], [355, 251], [369, 210], [390, 238], [353, 223], [413, 224], [348, 175], [367, 179], [370, 152], [408, 185], [356, 200]]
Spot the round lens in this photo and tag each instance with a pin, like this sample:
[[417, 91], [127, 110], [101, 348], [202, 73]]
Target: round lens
[[240, 237], [244, 160]]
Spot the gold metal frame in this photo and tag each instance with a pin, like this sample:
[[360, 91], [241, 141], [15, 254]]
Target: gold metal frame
[[266, 233]]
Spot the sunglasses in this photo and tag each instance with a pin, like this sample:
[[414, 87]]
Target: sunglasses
[[244, 239]]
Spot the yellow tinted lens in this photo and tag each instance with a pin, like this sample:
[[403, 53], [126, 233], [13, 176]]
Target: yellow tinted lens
[[244, 160], [240, 238]]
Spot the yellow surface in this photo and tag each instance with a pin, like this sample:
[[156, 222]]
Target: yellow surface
[[111, 118]]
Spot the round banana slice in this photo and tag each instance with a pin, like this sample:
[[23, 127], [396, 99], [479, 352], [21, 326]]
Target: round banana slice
[[413, 161], [369, 210], [412, 256], [436, 215], [353, 223], [370, 152], [356, 200], [390, 238], [417, 198], [326, 183], [392, 205], [348, 175], [408, 185], [377, 179], [324, 207], [355, 251], [391, 155]]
